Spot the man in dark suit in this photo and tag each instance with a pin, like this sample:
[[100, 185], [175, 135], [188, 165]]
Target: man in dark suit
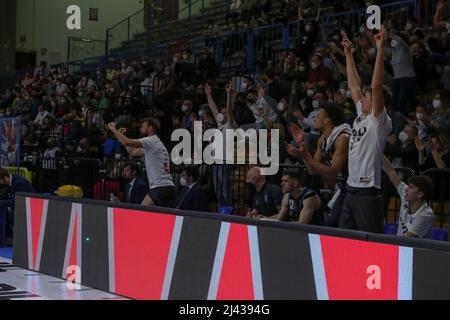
[[135, 188], [191, 196]]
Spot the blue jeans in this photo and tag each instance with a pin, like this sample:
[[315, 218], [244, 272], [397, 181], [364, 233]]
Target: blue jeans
[[223, 184]]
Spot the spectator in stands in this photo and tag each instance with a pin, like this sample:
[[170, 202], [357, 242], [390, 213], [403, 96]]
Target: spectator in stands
[[273, 86], [42, 114], [265, 198], [191, 196], [308, 34], [440, 118], [320, 74], [135, 189], [404, 75], [263, 107], [403, 148], [300, 204], [416, 216], [435, 153], [206, 67]]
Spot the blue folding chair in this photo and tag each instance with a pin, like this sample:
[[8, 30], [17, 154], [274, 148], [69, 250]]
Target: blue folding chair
[[390, 228], [226, 211], [440, 234]]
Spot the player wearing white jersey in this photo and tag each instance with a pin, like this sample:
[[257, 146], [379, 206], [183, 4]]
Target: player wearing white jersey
[[363, 205], [157, 161], [416, 217]]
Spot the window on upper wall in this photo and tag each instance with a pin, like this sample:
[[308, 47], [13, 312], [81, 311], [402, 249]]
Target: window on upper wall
[[93, 14]]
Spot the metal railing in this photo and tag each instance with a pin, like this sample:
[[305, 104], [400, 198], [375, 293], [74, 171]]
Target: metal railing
[[233, 51]]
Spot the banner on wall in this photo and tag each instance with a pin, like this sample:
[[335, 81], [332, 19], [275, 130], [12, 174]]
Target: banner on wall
[[10, 132]]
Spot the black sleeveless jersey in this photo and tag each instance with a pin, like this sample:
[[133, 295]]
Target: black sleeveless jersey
[[327, 157], [295, 207]]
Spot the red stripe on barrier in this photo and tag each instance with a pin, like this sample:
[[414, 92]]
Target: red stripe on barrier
[[236, 282], [36, 210], [73, 245], [141, 250], [358, 270]]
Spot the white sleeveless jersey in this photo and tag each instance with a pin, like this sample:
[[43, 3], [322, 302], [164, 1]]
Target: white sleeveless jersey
[[366, 149]]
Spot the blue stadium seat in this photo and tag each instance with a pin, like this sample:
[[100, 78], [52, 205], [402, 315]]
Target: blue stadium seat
[[226, 210], [440, 235], [390, 228]]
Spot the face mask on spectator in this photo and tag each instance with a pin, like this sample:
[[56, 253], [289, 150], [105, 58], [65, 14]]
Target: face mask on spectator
[[144, 62], [63, 101], [183, 182], [343, 91], [220, 118], [244, 86], [372, 51], [167, 73], [362, 29], [280, 107], [436, 104], [200, 113], [310, 92], [315, 104], [408, 26], [308, 28], [81, 94], [301, 68], [419, 116], [185, 56], [403, 137], [53, 103], [314, 66], [184, 108], [348, 94], [394, 43]]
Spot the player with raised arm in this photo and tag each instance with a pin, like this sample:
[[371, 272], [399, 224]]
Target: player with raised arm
[[157, 162], [363, 205]]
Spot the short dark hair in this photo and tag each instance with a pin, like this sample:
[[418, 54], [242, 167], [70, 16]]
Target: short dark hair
[[153, 122], [132, 165], [191, 171], [334, 112], [295, 175], [423, 184]]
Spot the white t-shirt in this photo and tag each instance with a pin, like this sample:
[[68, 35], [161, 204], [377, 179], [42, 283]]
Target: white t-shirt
[[366, 149], [157, 163], [419, 223]]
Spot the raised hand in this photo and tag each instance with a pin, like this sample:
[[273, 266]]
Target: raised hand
[[229, 89], [298, 134], [298, 153], [208, 89], [346, 43], [112, 126], [419, 144], [380, 38]]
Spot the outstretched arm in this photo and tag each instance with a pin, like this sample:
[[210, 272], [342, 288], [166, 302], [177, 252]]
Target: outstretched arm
[[354, 82], [388, 168], [230, 113], [378, 75], [125, 141], [211, 103]]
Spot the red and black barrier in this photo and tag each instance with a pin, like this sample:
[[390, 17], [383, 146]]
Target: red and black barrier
[[161, 254]]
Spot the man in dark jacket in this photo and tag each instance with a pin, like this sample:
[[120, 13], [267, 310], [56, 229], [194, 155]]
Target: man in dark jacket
[[11, 184], [191, 196], [135, 188], [405, 148]]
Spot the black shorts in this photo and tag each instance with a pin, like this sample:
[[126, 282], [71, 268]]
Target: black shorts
[[163, 196], [363, 210]]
